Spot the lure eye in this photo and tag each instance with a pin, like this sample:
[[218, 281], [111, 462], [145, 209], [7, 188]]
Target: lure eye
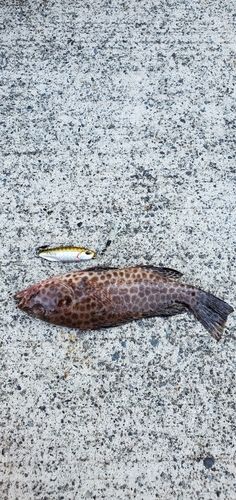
[[88, 252], [38, 309]]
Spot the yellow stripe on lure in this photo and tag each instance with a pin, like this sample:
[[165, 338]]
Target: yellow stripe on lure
[[66, 254]]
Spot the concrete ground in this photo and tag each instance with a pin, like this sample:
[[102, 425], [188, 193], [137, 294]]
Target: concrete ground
[[118, 111]]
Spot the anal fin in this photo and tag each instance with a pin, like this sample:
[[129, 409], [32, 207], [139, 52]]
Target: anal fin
[[168, 311]]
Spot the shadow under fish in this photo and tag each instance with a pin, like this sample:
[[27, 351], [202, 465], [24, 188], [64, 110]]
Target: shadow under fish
[[101, 297]]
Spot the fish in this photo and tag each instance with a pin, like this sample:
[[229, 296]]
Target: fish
[[66, 254], [102, 297]]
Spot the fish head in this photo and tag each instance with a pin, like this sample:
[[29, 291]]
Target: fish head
[[86, 254], [47, 300]]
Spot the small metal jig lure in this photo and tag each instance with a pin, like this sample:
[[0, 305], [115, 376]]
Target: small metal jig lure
[[66, 254]]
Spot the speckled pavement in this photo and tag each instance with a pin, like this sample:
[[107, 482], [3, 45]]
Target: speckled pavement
[[118, 112]]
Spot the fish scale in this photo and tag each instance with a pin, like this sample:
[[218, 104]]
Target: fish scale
[[105, 297]]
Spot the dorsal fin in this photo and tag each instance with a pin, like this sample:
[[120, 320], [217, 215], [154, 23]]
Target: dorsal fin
[[99, 268], [164, 271]]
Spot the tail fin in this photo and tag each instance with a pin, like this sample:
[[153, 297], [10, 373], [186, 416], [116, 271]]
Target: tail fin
[[212, 313]]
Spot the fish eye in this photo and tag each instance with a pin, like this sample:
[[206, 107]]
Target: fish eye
[[38, 309], [88, 252]]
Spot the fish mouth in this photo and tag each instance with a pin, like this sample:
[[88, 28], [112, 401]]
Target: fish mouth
[[23, 299], [24, 296]]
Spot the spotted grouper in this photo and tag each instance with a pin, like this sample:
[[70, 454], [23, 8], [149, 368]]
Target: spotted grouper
[[102, 297]]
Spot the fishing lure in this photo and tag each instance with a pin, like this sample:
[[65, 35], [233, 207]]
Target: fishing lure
[[104, 297], [66, 254]]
